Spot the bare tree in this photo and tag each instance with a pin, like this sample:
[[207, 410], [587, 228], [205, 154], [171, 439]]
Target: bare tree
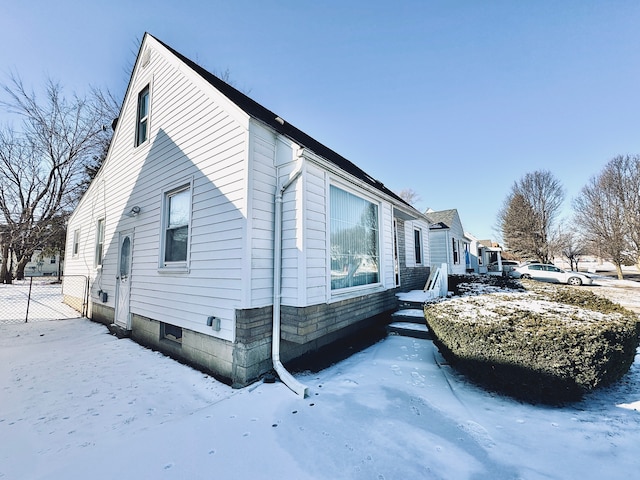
[[572, 247], [409, 195], [529, 213], [43, 163], [607, 211], [623, 177], [5, 258]]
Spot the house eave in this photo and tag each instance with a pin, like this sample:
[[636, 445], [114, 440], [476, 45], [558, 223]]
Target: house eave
[[403, 211]]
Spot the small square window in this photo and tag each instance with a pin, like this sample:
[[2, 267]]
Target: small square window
[[171, 332], [142, 120]]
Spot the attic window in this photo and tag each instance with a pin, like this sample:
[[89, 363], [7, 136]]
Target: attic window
[[142, 122], [146, 57]]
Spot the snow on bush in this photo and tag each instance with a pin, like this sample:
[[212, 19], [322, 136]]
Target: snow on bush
[[542, 343]]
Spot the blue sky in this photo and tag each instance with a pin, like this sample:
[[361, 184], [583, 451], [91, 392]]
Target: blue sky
[[453, 99]]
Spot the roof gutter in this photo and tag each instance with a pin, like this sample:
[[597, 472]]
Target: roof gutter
[[282, 372]]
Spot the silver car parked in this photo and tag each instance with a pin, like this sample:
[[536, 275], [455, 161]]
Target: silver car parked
[[551, 273]]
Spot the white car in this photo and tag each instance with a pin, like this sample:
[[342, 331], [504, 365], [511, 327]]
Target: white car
[[551, 273], [507, 266]]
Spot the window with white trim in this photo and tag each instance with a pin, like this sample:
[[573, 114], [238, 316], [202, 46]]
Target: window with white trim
[[176, 222], [76, 243], [354, 240], [99, 242], [417, 245], [456, 251], [142, 117]]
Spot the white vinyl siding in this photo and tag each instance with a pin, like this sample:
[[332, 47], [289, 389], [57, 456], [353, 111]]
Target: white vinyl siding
[[387, 274], [194, 135], [259, 237], [409, 238], [316, 249], [439, 244]]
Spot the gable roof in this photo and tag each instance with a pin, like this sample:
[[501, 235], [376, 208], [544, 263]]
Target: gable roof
[[255, 110], [444, 217]]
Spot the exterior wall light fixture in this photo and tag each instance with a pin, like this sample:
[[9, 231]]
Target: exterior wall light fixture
[[134, 211]]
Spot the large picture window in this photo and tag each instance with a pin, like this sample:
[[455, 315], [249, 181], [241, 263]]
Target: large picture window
[[355, 253], [177, 212]]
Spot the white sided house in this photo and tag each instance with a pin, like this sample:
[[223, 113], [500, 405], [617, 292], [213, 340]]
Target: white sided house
[[215, 226], [448, 242], [485, 256]]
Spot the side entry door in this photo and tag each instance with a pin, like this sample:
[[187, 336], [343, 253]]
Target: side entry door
[[123, 280]]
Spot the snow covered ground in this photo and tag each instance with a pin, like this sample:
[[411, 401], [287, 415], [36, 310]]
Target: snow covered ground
[[77, 403], [41, 295]]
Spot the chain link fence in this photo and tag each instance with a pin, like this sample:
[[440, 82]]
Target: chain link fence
[[37, 299]]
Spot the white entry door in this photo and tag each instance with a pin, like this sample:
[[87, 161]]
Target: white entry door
[[123, 281]]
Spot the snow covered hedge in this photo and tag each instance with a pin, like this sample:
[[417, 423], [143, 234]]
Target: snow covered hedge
[[546, 343]]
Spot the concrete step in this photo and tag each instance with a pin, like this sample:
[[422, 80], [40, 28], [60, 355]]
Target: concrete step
[[409, 329], [118, 331], [415, 298], [413, 315]]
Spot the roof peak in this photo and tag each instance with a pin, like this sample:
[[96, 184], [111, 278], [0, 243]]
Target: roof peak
[[258, 111]]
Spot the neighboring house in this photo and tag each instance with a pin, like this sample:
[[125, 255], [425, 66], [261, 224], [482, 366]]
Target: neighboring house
[[485, 255], [214, 226], [447, 241], [43, 265], [476, 261], [40, 265]]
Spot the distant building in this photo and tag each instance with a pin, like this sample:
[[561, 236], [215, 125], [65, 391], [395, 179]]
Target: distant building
[[40, 265]]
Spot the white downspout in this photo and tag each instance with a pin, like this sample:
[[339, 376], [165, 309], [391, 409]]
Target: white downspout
[[282, 372]]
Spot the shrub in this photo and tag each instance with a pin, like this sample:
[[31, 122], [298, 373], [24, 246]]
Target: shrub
[[461, 284], [547, 345]]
